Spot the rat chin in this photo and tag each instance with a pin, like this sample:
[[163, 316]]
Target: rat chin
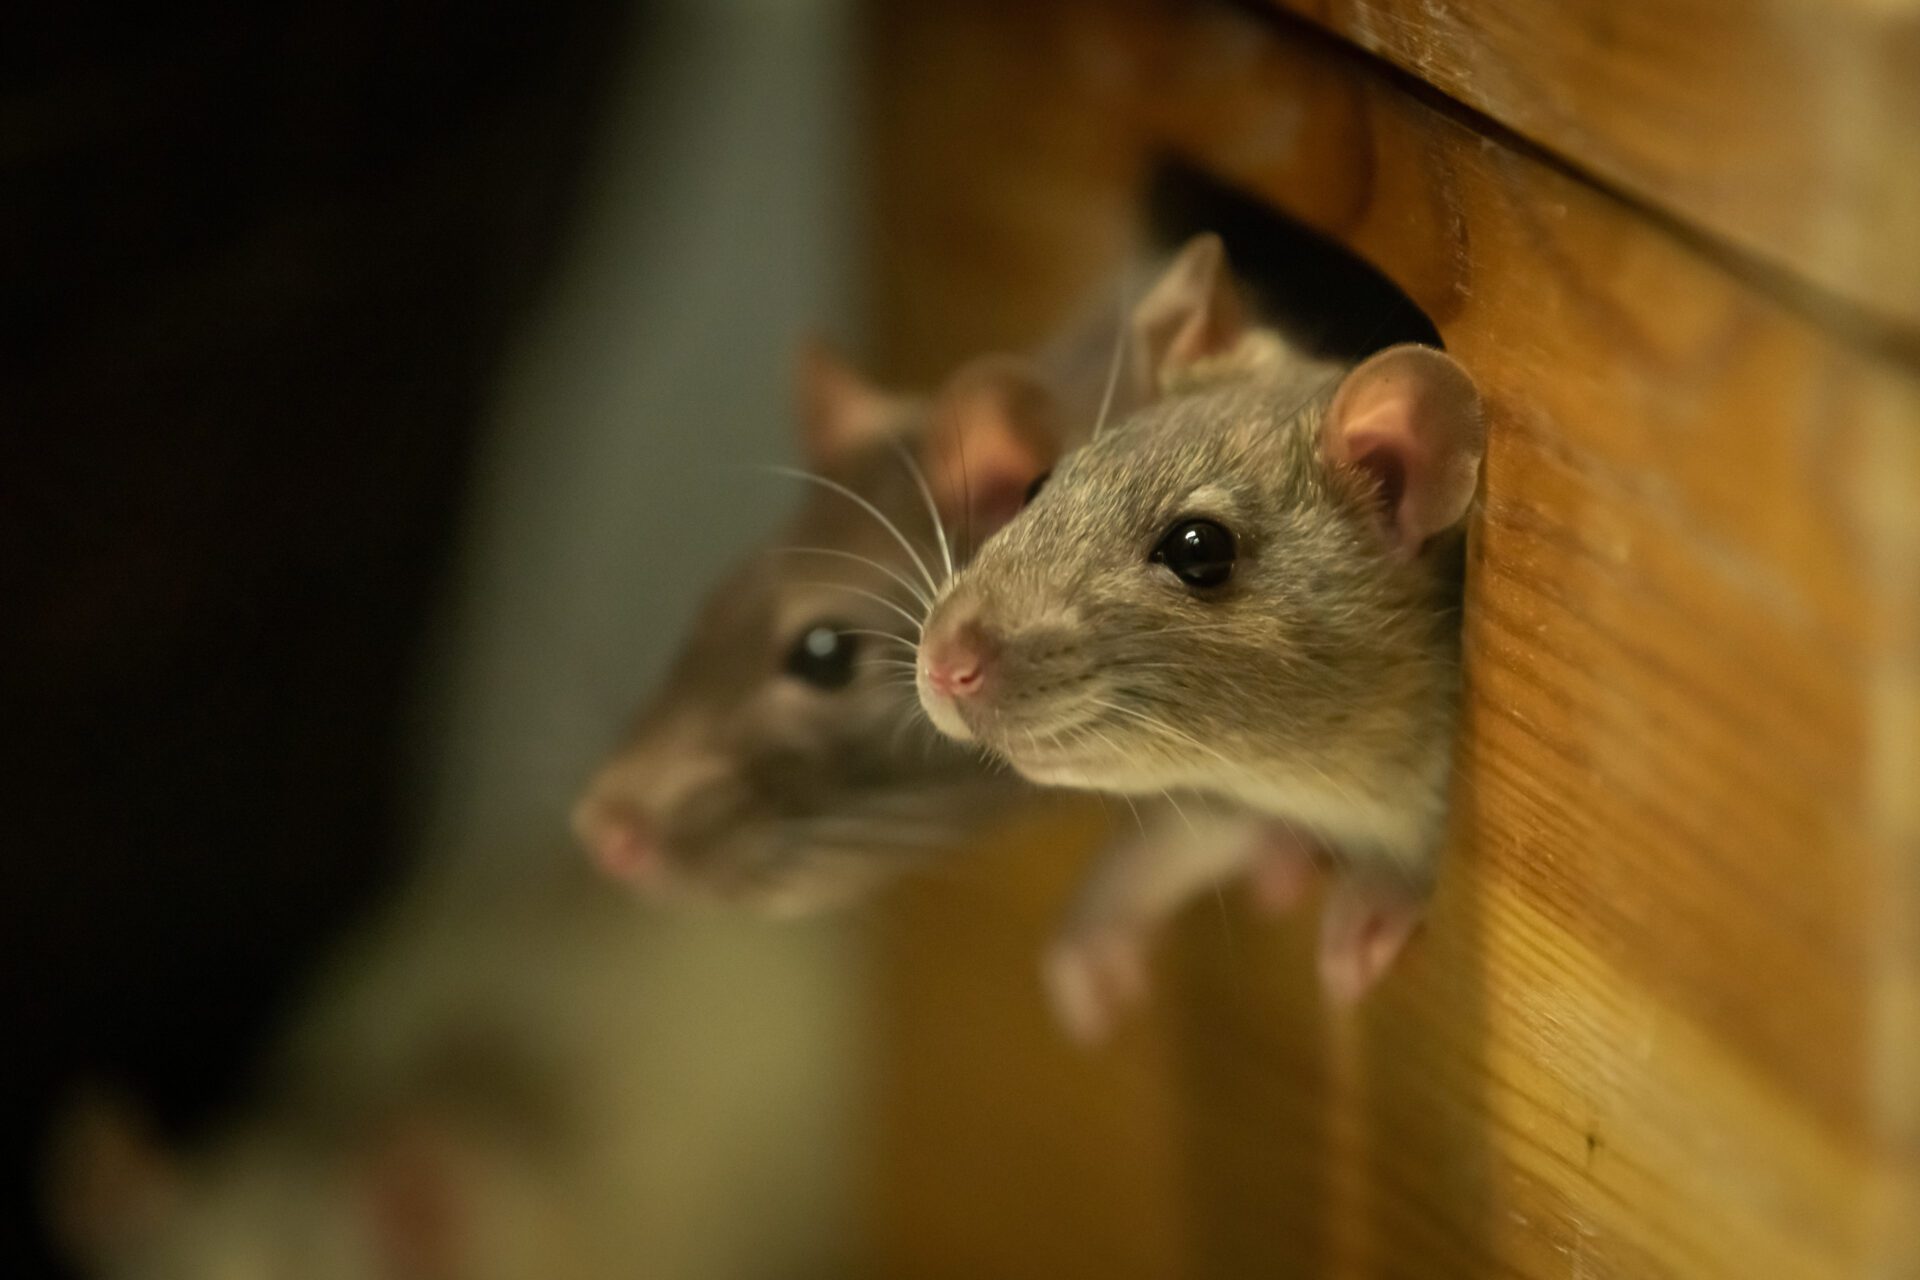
[[1058, 773], [944, 714], [1051, 765]]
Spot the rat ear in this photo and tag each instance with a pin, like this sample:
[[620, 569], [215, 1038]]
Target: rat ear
[[110, 1183], [839, 409], [995, 429], [1192, 313], [1411, 418]]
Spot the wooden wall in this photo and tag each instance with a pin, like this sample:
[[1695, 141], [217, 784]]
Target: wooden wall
[[1665, 1019]]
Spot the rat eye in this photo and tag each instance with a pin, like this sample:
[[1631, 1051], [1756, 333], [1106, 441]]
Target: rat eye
[[1033, 490], [823, 656], [1200, 552]]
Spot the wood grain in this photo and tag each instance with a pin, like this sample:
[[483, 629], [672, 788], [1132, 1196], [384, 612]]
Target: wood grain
[[1666, 1018], [1790, 129]]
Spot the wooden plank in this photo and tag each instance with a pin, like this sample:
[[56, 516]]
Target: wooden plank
[[1664, 1020], [1791, 129], [1003, 1150], [1668, 832], [952, 85]]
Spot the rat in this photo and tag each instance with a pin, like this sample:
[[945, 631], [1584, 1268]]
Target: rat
[[783, 766], [477, 1089], [1244, 597]]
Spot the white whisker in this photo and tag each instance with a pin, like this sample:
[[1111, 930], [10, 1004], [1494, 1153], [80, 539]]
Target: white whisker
[[1168, 796], [1178, 734], [933, 509], [913, 589], [881, 635], [1119, 359], [835, 486], [877, 599]]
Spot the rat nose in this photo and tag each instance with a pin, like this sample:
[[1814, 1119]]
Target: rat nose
[[621, 843], [956, 661]]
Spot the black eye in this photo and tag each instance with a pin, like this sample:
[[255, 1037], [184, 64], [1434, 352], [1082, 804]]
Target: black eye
[[1033, 490], [823, 656], [1199, 552]]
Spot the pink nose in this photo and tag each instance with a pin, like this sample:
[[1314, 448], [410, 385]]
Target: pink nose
[[621, 845], [956, 663]]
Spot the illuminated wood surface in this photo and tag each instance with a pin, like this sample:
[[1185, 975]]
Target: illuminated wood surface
[[1790, 130], [1666, 1017]]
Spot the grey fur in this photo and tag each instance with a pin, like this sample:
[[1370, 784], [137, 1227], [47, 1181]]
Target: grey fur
[[1318, 686], [811, 797]]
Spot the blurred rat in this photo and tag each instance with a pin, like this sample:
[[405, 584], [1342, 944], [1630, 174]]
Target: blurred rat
[[1242, 597], [783, 765], [479, 1089]]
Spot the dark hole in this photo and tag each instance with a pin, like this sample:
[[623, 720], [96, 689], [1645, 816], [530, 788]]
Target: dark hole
[[1322, 295]]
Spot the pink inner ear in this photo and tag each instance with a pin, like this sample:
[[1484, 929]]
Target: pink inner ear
[[1380, 445], [985, 479], [991, 438], [839, 409], [1380, 456], [1410, 418], [997, 499], [1191, 314]]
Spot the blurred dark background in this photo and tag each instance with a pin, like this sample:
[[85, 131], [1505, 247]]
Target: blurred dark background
[[264, 270], [259, 266]]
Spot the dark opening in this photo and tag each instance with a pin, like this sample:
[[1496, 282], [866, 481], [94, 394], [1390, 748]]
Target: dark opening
[[1314, 289]]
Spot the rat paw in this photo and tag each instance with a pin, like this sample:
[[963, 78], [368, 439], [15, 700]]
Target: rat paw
[[1092, 979], [1281, 874], [1362, 932]]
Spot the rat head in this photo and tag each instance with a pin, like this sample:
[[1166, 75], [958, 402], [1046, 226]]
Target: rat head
[[1245, 581], [782, 765]]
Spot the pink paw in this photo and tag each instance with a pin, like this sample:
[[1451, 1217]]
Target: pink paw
[[1363, 929], [1093, 979], [1281, 875]]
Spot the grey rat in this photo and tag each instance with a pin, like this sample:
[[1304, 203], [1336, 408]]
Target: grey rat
[[480, 1089], [1244, 593], [783, 764]]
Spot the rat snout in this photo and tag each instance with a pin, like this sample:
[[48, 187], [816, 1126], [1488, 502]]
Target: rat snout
[[956, 661], [652, 810], [620, 841]]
